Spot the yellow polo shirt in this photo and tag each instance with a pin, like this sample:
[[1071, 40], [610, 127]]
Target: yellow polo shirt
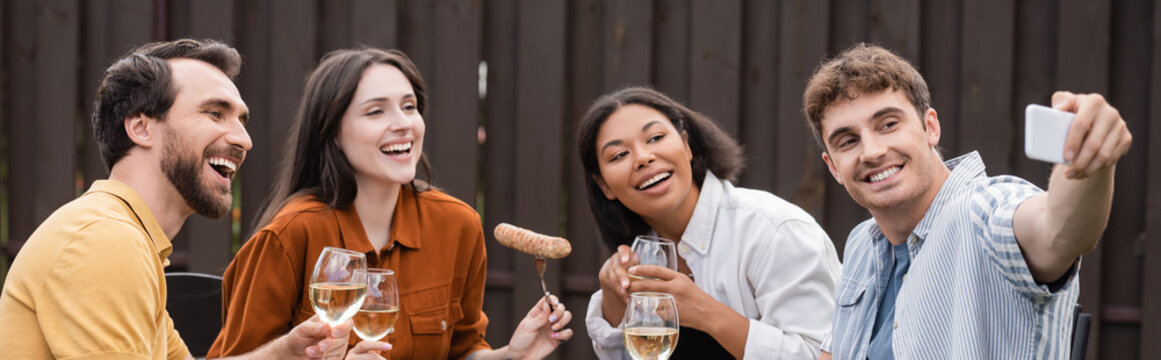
[[90, 284]]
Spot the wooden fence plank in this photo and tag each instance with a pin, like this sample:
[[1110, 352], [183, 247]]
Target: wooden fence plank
[[715, 61], [759, 94], [374, 22], [209, 240], [895, 25], [840, 213], [940, 62], [628, 34], [801, 175], [19, 78], [1034, 79], [671, 46], [258, 171], [290, 50], [1151, 141], [5, 152], [1128, 58], [416, 30], [21, 53], [56, 71], [850, 24], [499, 51], [214, 19], [454, 110], [111, 29], [986, 82], [336, 17], [586, 54], [1083, 29], [540, 55]]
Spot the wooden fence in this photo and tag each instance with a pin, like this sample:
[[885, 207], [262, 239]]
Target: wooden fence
[[743, 62]]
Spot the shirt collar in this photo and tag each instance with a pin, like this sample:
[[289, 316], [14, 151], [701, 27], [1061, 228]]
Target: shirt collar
[[700, 229], [404, 225], [963, 169], [144, 216]]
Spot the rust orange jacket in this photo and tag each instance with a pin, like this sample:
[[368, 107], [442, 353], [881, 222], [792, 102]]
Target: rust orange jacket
[[436, 248]]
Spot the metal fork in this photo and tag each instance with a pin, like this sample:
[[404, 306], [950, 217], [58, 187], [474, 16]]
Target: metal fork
[[541, 262]]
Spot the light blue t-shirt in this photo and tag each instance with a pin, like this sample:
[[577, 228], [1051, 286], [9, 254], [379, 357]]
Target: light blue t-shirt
[[880, 348]]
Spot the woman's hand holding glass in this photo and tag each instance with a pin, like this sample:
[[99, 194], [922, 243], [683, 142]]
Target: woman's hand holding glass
[[650, 326], [646, 250], [698, 307], [652, 250]]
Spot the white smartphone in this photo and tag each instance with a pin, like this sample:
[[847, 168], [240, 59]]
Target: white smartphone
[[1045, 130]]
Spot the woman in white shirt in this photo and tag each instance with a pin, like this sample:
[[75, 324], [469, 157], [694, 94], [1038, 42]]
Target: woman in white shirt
[[756, 273]]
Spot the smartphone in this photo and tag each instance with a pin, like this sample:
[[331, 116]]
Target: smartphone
[[1045, 130]]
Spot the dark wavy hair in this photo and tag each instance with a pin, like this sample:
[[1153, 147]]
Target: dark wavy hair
[[312, 163], [713, 149], [141, 83]]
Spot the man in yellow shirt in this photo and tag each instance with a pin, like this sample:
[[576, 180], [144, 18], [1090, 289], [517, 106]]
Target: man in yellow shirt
[[89, 283]]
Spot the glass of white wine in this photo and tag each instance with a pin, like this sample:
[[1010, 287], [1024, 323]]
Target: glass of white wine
[[338, 284], [653, 250], [380, 309], [650, 326]]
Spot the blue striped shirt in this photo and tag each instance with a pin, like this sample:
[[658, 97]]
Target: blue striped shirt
[[969, 293]]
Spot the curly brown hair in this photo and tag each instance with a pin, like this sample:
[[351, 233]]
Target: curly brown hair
[[861, 69]]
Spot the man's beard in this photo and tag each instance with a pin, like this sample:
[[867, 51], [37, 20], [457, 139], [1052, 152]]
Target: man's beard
[[184, 172]]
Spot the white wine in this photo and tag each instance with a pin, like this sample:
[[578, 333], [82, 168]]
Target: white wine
[[336, 302], [639, 277], [650, 343], [634, 278], [374, 324]]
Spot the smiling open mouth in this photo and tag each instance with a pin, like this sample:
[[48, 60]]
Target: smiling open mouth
[[397, 149], [223, 167], [654, 180], [884, 174]]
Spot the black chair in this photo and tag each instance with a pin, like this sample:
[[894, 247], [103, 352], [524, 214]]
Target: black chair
[[195, 304], [1080, 325]]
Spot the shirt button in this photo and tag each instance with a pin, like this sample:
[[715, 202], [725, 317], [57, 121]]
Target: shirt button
[[390, 246], [896, 325], [683, 247], [443, 325]]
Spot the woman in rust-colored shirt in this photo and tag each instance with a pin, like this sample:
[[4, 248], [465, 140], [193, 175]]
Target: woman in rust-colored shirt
[[348, 180]]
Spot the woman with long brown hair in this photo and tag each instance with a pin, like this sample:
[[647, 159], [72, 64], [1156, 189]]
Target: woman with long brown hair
[[349, 180]]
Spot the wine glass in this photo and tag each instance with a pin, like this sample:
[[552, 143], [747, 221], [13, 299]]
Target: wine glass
[[653, 250], [376, 318], [650, 326], [338, 284]]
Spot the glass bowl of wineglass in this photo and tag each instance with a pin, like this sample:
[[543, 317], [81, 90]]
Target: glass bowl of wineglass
[[338, 284], [650, 326], [376, 318], [653, 250]]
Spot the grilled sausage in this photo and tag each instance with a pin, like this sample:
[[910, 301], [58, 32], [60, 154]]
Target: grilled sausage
[[530, 242]]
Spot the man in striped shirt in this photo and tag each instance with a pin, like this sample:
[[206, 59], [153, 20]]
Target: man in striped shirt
[[953, 264]]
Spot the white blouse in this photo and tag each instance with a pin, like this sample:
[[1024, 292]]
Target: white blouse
[[762, 256]]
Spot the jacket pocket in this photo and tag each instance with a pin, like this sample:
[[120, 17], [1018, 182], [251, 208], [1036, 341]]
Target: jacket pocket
[[850, 293], [430, 317]]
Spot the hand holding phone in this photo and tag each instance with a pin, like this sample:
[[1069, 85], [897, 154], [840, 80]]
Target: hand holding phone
[[1045, 131]]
